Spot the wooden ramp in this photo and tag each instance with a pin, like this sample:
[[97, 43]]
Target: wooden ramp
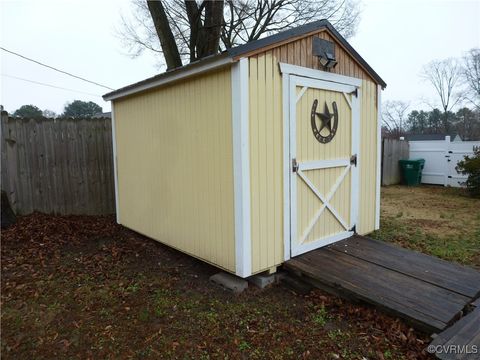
[[428, 292], [461, 341]]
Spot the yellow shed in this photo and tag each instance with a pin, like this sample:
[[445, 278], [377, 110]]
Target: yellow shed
[[253, 156]]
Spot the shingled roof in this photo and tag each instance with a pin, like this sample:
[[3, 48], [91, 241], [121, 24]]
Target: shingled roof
[[234, 53]]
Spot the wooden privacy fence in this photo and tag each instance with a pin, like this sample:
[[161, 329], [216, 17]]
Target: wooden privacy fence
[[392, 151], [61, 166]]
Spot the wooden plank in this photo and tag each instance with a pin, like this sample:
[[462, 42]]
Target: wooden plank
[[464, 333], [350, 290], [403, 287], [460, 279], [476, 303], [433, 306]]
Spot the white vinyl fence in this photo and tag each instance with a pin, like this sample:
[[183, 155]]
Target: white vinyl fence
[[441, 158]]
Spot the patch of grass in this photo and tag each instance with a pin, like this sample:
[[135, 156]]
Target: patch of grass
[[132, 288], [387, 354], [211, 316], [337, 335], [163, 302], [105, 313], [321, 317], [243, 346], [463, 249], [144, 315]]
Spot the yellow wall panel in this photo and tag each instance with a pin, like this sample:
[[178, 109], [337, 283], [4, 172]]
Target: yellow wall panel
[[175, 166], [266, 162], [368, 157]]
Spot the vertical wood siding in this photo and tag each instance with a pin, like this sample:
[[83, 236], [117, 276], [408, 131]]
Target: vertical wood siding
[[368, 158], [266, 165], [175, 166], [266, 144]]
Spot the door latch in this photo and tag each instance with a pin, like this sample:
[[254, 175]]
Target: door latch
[[353, 160], [294, 165]]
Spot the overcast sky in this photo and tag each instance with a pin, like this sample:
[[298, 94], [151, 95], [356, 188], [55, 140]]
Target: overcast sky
[[395, 37]]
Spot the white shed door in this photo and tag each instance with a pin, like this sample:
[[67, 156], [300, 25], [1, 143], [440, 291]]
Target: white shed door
[[324, 137]]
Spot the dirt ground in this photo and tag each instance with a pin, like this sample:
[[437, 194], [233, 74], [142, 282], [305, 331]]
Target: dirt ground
[[441, 221], [84, 287]]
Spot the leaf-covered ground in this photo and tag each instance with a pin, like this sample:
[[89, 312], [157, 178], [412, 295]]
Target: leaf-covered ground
[[84, 287]]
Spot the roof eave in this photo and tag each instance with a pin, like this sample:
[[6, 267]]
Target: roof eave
[[200, 67]]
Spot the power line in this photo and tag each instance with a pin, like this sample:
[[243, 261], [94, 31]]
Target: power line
[[53, 68], [49, 85]]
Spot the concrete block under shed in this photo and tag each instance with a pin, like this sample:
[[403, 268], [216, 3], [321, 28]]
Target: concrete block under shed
[[229, 282], [262, 280]]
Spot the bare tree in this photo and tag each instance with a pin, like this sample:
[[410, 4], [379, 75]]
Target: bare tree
[[164, 33], [444, 75], [394, 118], [49, 114], [471, 76], [202, 28]]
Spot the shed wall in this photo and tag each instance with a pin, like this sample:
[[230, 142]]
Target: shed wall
[[175, 166], [266, 144]]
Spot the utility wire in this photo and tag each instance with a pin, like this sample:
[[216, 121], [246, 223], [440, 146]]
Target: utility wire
[[53, 68], [49, 85]]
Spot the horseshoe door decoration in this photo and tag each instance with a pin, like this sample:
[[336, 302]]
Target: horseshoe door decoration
[[325, 122], [324, 176]]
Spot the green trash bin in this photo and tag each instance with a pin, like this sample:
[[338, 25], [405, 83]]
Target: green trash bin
[[412, 171]]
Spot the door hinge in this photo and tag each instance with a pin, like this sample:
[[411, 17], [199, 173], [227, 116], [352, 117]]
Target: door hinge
[[354, 92], [353, 160], [294, 165]]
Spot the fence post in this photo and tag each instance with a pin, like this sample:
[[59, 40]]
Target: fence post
[[447, 155], [392, 151]]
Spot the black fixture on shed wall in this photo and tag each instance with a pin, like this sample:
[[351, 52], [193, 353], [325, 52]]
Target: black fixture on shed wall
[[325, 50]]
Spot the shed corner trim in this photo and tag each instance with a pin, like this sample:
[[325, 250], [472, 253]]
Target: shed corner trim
[[115, 166], [379, 157], [241, 167]]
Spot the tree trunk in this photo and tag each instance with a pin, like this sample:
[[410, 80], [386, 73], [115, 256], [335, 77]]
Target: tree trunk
[[164, 32], [213, 26], [204, 38], [8, 216], [193, 14]]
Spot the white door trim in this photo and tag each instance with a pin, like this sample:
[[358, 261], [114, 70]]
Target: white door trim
[[286, 165], [320, 84], [328, 81], [318, 74], [325, 164]]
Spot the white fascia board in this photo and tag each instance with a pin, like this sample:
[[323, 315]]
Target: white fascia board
[[318, 74], [241, 168], [175, 76]]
